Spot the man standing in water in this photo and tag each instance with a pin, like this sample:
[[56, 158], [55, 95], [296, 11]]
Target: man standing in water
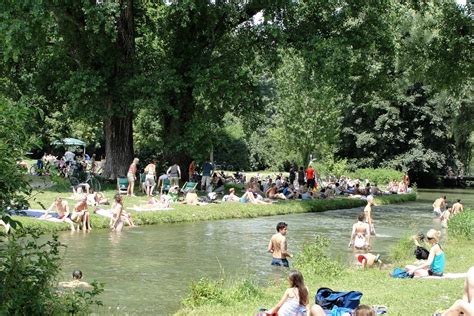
[[457, 207], [278, 247], [439, 206], [368, 213]]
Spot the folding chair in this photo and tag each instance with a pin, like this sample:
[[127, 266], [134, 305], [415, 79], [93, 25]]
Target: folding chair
[[165, 186], [122, 185], [188, 186]]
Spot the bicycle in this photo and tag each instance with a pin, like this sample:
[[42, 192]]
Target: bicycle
[[91, 179]]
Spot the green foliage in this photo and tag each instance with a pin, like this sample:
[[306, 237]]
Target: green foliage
[[403, 250], [381, 176], [77, 301], [313, 260], [203, 292], [14, 140], [461, 226], [28, 270]]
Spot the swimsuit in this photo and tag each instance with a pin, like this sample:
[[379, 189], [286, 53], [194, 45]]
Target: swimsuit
[[280, 262], [291, 307]]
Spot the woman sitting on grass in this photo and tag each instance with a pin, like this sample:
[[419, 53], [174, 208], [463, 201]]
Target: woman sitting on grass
[[436, 259], [249, 197], [294, 301]]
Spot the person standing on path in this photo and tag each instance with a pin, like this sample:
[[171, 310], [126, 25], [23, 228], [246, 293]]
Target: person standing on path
[[278, 246], [174, 174], [132, 176], [310, 177], [207, 169]]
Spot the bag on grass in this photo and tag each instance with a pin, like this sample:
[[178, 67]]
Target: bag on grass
[[400, 273], [327, 298]]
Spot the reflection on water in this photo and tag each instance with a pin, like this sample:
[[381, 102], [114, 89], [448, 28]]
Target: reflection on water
[[146, 270]]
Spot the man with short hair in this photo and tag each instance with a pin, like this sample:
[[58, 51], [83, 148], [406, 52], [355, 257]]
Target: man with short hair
[[278, 246], [207, 169]]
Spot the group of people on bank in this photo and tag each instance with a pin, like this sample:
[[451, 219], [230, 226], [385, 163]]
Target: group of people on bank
[[295, 300]]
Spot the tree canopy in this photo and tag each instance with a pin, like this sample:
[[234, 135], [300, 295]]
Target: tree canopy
[[385, 84]]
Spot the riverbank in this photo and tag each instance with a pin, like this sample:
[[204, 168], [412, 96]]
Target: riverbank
[[189, 213], [401, 296]]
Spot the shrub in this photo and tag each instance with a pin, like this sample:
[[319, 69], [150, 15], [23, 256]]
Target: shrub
[[379, 176], [203, 292], [312, 260], [461, 226], [403, 250], [28, 270]]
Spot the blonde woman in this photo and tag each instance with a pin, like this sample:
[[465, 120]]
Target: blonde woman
[[436, 260], [132, 176]]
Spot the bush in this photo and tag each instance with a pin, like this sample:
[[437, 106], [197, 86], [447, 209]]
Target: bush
[[403, 250], [461, 226], [203, 292], [28, 272], [379, 176], [312, 260]]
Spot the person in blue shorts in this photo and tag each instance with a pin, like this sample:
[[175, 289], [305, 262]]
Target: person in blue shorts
[[278, 246]]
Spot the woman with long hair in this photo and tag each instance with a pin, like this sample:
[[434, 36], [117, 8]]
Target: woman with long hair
[[294, 301]]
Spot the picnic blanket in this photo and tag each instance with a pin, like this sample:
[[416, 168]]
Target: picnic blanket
[[146, 209], [105, 213], [36, 214]]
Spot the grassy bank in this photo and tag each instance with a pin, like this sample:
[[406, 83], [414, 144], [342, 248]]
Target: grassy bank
[[401, 296], [189, 213]]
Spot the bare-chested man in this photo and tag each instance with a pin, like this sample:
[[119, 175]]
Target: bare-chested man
[[368, 213], [62, 207], [439, 205], [81, 215], [278, 247], [457, 207]]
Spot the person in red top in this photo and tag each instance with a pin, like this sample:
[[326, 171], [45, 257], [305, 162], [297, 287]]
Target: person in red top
[[310, 177]]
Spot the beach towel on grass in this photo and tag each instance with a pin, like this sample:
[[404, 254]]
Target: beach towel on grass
[[36, 214], [446, 276], [105, 213], [147, 209]]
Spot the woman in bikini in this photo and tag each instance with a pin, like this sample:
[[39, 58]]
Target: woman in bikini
[[360, 237]]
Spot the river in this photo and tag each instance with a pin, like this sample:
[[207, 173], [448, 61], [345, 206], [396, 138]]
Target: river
[[148, 269]]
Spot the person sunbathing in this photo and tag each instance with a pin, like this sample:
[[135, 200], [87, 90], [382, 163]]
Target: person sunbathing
[[231, 197], [62, 208], [272, 193], [249, 197], [465, 306]]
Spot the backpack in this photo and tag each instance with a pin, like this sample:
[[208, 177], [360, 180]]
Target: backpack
[[327, 298], [421, 253], [400, 273]]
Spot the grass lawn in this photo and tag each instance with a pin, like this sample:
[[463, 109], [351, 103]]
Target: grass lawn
[[401, 296], [43, 197]]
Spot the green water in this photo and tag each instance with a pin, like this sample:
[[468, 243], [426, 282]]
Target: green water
[[147, 270]]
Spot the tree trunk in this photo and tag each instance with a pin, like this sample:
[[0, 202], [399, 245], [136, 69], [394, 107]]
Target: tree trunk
[[118, 145]]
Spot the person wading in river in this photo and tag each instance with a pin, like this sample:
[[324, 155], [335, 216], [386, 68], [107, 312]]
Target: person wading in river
[[368, 214], [278, 247]]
